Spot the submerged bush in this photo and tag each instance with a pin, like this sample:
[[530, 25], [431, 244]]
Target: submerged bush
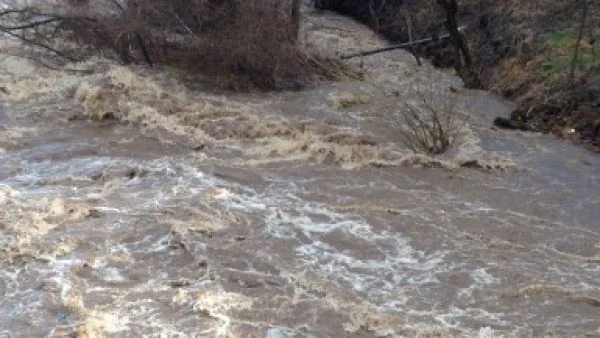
[[430, 124]]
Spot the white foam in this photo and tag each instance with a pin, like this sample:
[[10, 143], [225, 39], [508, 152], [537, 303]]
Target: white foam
[[481, 276], [113, 275], [280, 332], [486, 332]]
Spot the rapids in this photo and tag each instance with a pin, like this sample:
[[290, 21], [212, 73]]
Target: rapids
[[141, 202]]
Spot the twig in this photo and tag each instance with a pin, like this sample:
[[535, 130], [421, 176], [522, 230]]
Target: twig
[[184, 25], [144, 50], [20, 11], [39, 44], [29, 25], [118, 5]]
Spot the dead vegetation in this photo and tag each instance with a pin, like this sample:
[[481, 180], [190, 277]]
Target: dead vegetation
[[429, 124], [542, 53], [251, 43]]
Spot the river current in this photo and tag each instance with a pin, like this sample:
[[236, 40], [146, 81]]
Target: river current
[[140, 202]]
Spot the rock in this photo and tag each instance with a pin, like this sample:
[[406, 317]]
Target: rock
[[93, 213], [180, 283]]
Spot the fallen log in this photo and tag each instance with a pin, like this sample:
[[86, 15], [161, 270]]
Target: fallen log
[[393, 47]]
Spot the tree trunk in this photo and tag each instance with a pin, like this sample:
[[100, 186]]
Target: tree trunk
[[463, 62], [584, 10], [295, 20], [413, 48]]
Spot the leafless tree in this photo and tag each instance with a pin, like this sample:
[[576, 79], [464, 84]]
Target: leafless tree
[[254, 41], [414, 49], [376, 8], [463, 62]]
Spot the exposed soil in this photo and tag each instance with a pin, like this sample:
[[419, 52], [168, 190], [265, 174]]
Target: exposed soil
[[523, 50]]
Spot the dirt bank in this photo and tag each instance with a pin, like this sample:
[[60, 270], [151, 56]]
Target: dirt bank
[[522, 50]]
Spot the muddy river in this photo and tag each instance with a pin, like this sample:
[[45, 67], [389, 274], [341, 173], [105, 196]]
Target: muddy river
[[141, 202]]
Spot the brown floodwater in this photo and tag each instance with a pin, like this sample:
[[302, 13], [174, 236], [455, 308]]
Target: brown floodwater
[[193, 212]]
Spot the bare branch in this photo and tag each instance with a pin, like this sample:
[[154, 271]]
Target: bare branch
[[39, 44], [29, 25], [431, 126]]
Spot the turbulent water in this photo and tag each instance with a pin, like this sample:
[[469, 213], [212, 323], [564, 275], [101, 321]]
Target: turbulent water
[[143, 203]]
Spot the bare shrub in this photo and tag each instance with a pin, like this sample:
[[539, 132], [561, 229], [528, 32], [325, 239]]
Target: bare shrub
[[430, 123], [258, 45], [244, 42]]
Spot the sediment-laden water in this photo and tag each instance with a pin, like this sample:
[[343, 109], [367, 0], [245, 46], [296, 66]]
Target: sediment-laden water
[[140, 202]]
